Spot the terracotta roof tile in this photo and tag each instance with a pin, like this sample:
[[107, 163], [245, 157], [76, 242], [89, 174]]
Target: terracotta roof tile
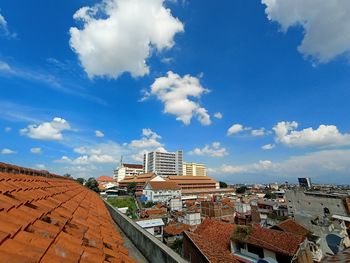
[[213, 239], [54, 219], [291, 226], [274, 240], [164, 185]]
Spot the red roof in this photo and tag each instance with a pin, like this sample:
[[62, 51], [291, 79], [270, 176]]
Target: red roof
[[176, 228], [55, 220], [274, 240], [164, 185], [105, 178], [213, 239], [291, 226]]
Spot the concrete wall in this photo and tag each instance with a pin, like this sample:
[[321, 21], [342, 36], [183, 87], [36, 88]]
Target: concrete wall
[[151, 248]]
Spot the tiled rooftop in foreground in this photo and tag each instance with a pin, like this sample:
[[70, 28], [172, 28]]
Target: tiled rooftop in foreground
[[55, 220]]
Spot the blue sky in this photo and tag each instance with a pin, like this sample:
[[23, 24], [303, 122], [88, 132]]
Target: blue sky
[[257, 90]]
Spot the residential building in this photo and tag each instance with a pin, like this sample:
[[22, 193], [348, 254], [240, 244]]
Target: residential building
[[153, 226], [175, 204], [257, 244], [191, 218], [209, 243], [174, 231], [105, 182], [140, 180], [127, 169], [213, 209], [49, 218], [161, 191], [195, 169], [163, 163]]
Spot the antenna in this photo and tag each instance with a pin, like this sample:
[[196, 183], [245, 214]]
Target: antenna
[[121, 160]]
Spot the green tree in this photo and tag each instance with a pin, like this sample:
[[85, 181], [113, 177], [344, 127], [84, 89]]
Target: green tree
[[67, 175], [80, 180], [270, 195], [241, 190], [223, 184], [92, 184], [131, 187]]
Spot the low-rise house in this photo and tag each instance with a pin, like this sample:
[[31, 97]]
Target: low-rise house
[[153, 226], [161, 191], [106, 182], [191, 219], [209, 243], [174, 231], [255, 243], [175, 204]]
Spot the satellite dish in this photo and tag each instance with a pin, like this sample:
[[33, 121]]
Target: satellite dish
[[333, 242]]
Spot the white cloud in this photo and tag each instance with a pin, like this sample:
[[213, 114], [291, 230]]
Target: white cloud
[[8, 129], [259, 132], [149, 140], [7, 151], [35, 150], [268, 146], [213, 150], [326, 25], [4, 67], [120, 35], [47, 130], [236, 128], [99, 134], [4, 28], [218, 115], [241, 169], [40, 166], [323, 136], [176, 93]]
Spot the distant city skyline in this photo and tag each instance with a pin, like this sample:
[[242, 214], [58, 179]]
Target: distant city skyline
[[252, 90]]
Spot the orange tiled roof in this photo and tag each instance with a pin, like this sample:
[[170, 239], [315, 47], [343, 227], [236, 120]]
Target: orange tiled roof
[[176, 228], [104, 178], [291, 226], [274, 240], [213, 239], [163, 185], [55, 220]]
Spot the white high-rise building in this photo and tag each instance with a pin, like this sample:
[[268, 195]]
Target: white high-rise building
[[127, 169], [163, 163], [195, 169]]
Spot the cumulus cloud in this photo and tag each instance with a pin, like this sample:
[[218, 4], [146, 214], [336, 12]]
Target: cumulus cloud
[[120, 35], [178, 95], [268, 146], [35, 150], [236, 128], [326, 25], [218, 115], [318, 165], [323, 136], [99, 134], [8, 129], [213, 150], [149, 142], [7, 151], [40, 166], [259, 132], [47, 130]]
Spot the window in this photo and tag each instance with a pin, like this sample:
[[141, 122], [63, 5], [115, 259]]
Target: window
[[256, 250]]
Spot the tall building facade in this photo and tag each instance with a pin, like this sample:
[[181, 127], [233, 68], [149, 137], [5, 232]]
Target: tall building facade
[[127, 169], [163, 163], [195, 169]]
